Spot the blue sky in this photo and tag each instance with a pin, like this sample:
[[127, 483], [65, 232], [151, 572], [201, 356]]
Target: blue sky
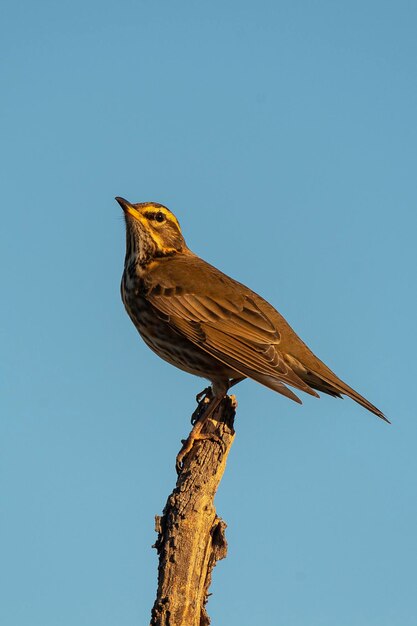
[[283, 136]]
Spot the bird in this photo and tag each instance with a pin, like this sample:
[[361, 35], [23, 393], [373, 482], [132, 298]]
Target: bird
[[200, 320]]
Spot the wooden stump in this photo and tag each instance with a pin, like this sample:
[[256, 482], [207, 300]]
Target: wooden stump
[[191, 537]]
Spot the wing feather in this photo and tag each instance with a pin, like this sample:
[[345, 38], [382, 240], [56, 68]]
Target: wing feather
[[233, 335], [239, 328]]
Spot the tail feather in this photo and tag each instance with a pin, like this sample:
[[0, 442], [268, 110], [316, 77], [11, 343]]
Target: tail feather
[[323, 379]]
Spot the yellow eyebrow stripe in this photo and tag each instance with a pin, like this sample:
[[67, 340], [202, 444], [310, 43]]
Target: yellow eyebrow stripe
[[151, 208]]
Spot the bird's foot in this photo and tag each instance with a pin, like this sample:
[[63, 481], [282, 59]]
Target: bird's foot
[[206, 392], [206, 407], [203, 398]]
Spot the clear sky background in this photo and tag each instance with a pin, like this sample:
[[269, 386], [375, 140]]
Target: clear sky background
[[283, 136]]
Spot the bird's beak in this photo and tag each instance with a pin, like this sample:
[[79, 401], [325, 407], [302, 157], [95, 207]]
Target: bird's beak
[[128, 208]]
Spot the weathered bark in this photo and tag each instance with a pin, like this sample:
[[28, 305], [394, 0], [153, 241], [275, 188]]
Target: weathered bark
[[191, 538]]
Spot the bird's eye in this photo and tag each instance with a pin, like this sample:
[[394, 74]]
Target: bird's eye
[[159, 216]]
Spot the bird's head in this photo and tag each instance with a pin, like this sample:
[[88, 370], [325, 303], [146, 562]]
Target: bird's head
[[152, 231]]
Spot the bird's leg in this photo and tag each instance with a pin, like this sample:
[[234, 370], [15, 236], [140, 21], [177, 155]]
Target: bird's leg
[[205, 396], [235, 381], [207, 406]]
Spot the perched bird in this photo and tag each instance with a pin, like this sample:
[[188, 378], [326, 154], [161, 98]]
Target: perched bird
[[204, 322]]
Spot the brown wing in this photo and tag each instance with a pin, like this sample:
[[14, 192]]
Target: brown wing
[[239, 328], [216, 314]]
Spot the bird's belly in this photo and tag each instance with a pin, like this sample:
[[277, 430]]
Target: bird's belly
[[171, 346]]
